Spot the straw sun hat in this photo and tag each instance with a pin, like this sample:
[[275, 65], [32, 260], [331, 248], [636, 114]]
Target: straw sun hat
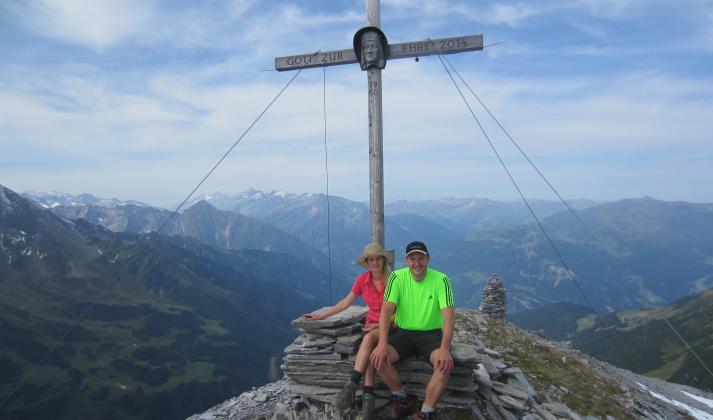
[[374, 250]]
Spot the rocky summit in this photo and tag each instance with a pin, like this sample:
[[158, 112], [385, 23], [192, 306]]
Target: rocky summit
[[501, 372]]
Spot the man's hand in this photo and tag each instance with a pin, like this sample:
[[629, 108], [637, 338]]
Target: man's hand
[[370, 327], [443, 360], [379, 355]]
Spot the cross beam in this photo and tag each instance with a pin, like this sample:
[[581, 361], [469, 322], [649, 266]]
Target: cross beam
[[372, 51], [402, 50]]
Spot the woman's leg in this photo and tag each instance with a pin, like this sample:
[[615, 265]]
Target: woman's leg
[[361, 364]]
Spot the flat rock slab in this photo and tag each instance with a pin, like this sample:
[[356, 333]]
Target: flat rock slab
[[321, 343], [329, 356], [337, 331], [465, 354], [352, 315]]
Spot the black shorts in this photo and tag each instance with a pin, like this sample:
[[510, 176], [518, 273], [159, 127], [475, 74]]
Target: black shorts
[[409, 343]]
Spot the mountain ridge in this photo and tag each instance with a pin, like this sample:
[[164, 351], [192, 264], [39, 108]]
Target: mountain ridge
[[126, 325]]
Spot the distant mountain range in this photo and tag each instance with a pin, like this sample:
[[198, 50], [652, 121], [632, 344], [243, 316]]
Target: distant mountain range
[[643, 252], [56, 198], [221, 229], [464, 215], [472, 215], [641, 341], [624, 258], [97, 324], [305, 216]]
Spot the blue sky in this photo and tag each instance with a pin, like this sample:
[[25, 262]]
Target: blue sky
[[138, 99]]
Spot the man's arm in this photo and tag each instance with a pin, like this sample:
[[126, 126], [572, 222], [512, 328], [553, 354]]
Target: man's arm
[[444, 360], [381, 351]]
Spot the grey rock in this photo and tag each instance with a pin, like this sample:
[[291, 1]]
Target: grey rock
[[511, 402], [512, 371], [465, 354], [260, 397], [348, 344], [510, 391], [322, 342], [337, 331], [352, 315], [326, 356], [481, 376], [491, 367], [544, 413], [560, 410], [493, 353]]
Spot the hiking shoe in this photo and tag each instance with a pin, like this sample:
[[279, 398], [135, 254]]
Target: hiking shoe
[[367, 407], [345, 399], [399, 407], [427, 416]]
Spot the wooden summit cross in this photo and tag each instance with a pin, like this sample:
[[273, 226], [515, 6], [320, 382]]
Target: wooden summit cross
[[372, 50]]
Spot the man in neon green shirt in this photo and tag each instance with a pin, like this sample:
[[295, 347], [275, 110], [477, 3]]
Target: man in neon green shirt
[[423, 301]]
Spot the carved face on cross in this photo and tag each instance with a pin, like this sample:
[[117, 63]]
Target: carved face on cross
[[372, 53]]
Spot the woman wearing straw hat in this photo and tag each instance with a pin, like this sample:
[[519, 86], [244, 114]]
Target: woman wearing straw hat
[[370, 286]]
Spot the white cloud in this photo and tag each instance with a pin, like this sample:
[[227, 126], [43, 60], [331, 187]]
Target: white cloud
[[96, 24], [586, 124], [590, 29], [509, 14], [614, 9]]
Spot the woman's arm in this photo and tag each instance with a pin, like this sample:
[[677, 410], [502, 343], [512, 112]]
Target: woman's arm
[[339, 307]]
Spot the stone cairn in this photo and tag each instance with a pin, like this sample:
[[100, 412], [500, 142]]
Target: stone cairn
[[318, 363], [492, 303]]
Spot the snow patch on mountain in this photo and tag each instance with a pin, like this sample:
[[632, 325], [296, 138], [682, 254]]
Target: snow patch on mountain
[[6, 205], [694, 412], [705, 401]]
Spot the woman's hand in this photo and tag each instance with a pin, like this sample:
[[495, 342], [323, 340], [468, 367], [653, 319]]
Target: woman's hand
[[370, 327], [313, 317]]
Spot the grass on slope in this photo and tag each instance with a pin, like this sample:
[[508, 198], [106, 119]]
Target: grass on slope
[[554, 373]]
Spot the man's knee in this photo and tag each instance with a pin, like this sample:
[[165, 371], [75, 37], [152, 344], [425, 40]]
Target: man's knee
[[446, 373], [391, 360], [438, 370]]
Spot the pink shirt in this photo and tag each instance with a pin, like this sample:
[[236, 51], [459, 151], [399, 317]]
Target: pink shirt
[[364, 287]]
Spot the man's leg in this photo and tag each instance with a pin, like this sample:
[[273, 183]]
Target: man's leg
[[388, 372], [401, 346], [437, 384]]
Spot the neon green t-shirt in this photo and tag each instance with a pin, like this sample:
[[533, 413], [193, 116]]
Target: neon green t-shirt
[[419, 304]]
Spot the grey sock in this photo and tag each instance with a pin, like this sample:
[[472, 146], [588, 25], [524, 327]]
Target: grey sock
[[401, 393], [426, 409]]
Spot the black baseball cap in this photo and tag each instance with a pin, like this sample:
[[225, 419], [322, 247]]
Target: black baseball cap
[[416, 246]]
